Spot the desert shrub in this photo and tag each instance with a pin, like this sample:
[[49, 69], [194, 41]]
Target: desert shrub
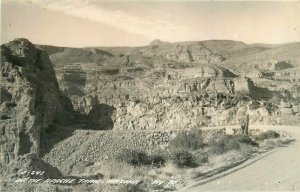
[[201, 157], [245, 149], [270, 134], [188, 140], [270, 143], [247, 140], [140, 158], [156, 160], [222, 144], [134, 157], [183, 158]]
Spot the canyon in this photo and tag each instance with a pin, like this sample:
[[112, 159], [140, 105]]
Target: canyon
[[61, 103], [180, 85]]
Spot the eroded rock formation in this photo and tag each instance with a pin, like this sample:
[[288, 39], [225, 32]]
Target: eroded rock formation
[[140, 83], [30, 102]]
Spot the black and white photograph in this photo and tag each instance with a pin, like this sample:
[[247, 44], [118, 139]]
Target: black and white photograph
[[149, 96]]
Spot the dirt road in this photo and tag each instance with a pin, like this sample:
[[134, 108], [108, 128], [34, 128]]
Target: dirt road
[[279, 171]]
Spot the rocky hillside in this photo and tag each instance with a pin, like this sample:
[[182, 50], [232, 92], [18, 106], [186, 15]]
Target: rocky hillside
[[151, 87]]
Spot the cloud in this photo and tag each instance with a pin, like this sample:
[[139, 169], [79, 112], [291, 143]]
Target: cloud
[[149, 25]]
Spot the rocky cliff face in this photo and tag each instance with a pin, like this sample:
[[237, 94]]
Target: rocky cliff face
[[148, 87], [30, 102], [187, 112]]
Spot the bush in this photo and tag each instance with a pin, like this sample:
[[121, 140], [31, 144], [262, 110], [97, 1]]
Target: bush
[[201, 157], [156, 160], [140, 158], [268, 135], [188, 140], [223, 144], [247, 140], [245, 149], [134, 157], [184, 158]]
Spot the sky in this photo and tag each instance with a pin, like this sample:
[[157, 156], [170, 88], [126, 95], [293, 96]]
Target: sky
[[82, 23]]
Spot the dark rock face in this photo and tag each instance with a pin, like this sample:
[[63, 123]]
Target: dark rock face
[[20, 52], [100, 117], [30, 102]]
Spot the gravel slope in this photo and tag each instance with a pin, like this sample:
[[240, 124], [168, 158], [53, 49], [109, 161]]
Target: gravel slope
[[280, 171]]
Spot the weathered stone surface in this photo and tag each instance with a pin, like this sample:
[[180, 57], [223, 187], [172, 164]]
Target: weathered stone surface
[[30, 102]]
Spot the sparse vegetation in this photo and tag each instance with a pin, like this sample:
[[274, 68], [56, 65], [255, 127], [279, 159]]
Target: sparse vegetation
[[247, 140], [201, 157], [270, 134], [183, 158], [224, 143], [134, 157], [140, 158], [157, 160], [190, 140], [245, 150]]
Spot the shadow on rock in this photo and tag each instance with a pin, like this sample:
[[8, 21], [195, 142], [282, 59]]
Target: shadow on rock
[[100, 117]]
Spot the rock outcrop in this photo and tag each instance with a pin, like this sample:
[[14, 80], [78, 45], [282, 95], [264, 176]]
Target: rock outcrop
[[30, 102]]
